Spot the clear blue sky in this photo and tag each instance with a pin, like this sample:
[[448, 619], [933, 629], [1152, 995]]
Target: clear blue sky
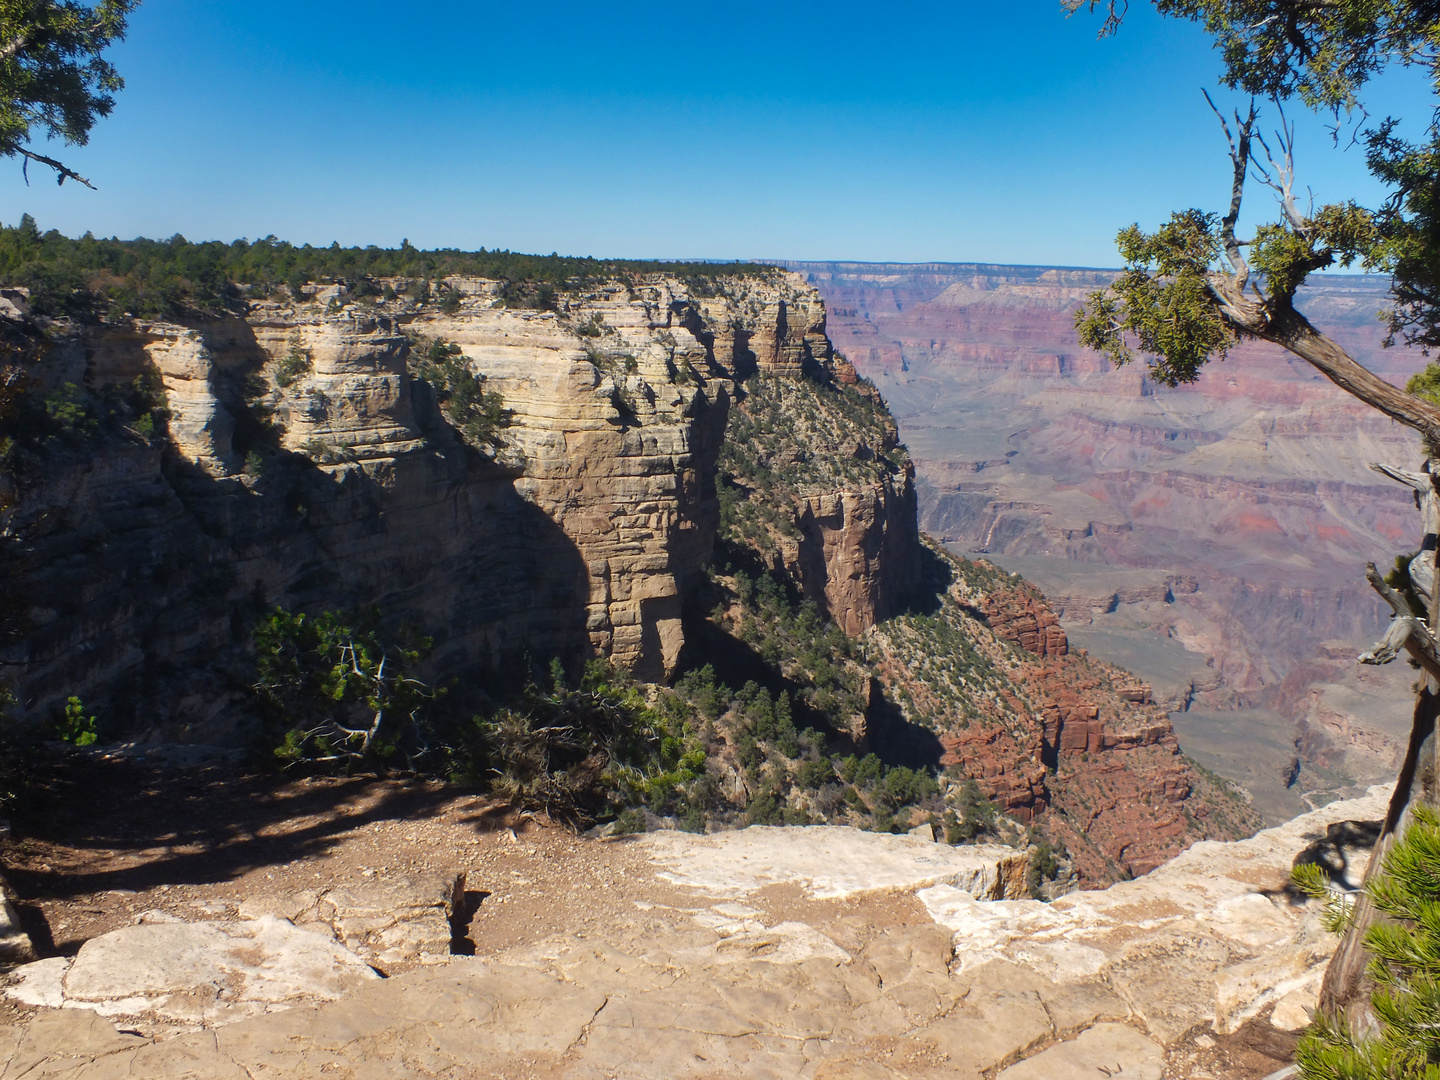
[[909, 131]]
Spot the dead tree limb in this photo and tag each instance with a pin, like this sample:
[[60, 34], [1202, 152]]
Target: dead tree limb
[[1407, 631]]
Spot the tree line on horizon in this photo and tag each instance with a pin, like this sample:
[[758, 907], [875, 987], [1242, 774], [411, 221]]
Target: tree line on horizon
[[91, 279]]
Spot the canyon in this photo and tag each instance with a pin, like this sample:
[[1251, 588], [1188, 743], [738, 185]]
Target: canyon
[[308, 461], [688, 479], [1211, 537]]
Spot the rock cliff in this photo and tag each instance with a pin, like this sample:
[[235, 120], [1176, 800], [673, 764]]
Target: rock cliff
[[180, 481], [305, 465]]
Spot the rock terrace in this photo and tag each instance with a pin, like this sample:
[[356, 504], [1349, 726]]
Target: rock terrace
[[825, 953]]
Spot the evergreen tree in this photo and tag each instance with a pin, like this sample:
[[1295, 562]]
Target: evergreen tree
[[53, 80], [1405, 965]]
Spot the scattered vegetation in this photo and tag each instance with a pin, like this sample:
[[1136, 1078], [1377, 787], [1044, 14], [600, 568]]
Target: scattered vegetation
[[791, 437], [43, 419], [295, 364], [478, 414]]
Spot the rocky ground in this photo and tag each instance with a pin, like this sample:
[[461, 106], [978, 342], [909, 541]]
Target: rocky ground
[[229, 926]]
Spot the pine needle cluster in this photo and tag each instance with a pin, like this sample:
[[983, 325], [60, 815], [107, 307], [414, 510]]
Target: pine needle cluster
[[1405, 967]]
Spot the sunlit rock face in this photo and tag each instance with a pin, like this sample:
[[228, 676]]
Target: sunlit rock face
[[306, 465]]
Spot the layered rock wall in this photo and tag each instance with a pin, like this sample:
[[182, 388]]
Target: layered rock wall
[[306, 466]]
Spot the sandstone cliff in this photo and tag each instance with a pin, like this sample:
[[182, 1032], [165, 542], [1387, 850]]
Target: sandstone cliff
[[306, 465], [304, 456]]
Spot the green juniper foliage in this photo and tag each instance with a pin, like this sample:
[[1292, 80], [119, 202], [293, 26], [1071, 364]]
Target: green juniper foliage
[[604, 747], [1405, 966], [53, 81], [74, 726], [333, 691], [1166, 302]]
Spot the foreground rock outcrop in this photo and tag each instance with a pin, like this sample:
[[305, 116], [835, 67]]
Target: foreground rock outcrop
[[712, 958]]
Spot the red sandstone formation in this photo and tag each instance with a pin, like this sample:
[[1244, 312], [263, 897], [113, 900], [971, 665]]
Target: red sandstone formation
[[1062, 741]]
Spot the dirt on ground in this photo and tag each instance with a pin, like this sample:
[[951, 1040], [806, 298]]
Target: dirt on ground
[[111, 840], [105, 841]]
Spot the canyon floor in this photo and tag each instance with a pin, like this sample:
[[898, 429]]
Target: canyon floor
[[820, 952]]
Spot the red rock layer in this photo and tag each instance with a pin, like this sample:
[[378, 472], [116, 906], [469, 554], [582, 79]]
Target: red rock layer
[[1022, 617], [1067, 743]]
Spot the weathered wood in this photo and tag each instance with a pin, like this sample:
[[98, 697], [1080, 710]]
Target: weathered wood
[[1407, 630], [1347, 986]]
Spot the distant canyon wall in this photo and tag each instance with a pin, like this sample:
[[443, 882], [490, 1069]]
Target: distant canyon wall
[[1232, 517]]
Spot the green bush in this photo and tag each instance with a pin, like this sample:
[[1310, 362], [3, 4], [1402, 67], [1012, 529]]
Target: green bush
[[333, 691], [1044, 866], [479, 415], [975, 815], [451, 300], [74, 726], [1405, 967]]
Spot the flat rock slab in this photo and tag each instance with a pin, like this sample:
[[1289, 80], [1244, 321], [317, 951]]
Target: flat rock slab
[[1113, 1050], [1211, 937], [395, 920], [668, 988], [203, 972], [831, 862]]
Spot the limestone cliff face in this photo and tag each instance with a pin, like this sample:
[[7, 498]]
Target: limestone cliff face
[[305, 465]]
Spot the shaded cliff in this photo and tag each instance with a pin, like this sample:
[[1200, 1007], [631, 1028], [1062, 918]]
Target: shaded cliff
[[304, 464]]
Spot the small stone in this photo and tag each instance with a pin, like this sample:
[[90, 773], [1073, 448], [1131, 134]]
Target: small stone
[[1296, 1010]]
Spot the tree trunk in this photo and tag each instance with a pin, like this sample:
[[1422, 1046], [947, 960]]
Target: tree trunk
[[1293, 332], [1346, 991]]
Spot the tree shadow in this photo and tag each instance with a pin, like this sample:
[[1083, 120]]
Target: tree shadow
[[1344, 851], [204, 827]]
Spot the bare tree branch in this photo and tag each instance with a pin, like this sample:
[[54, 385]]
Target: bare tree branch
[[1406, 630], [1240, 160], [64, 171], [1280, 176]]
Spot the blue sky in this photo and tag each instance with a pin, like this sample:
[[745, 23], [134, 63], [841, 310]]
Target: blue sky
[[910, 131]]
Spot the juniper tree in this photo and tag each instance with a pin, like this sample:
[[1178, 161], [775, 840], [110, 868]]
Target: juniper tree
[[1192, 288], [1405, 967], [53, 80]]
